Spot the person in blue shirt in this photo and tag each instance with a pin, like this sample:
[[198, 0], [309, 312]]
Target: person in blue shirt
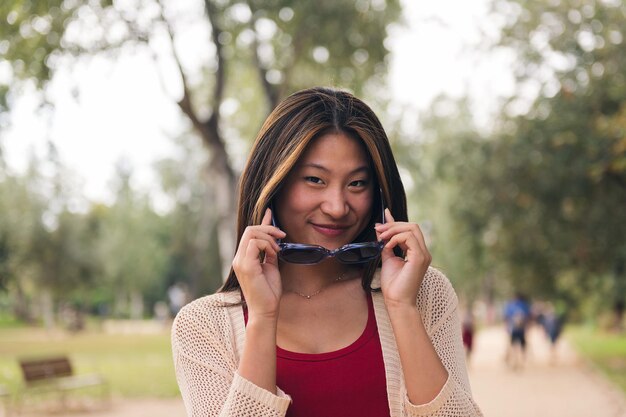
[[517, 318]]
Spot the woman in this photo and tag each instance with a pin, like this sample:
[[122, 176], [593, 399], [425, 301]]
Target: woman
[[330, 308]]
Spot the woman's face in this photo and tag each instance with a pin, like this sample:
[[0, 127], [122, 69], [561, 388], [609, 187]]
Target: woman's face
[[327, 198]]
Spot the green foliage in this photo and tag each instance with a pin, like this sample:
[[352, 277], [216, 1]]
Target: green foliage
[[48, 249], [301, 57], [565, 172], [31, 33], [606, 351], [191, 256], [270, 41], [444, 167], [129, 245], [255, 53], [536, 204]]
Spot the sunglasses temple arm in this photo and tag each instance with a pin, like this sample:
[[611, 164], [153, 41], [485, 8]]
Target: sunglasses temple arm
[[274, 222], [382, 206]]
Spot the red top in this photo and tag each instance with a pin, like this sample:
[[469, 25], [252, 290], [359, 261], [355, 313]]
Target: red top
[[348, 382]]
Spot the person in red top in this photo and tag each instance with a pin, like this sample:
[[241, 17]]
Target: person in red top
[[331, 307]]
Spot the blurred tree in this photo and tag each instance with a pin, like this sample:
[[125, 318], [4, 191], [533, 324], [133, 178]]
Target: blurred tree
[[568, 152], [253, 49], [60, 251], [44, 245], [131, 247], [449, 147], [20, 223], [542, 196], [192, 255]]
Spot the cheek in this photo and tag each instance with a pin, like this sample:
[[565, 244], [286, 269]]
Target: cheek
[[364, 209], [293, 200]]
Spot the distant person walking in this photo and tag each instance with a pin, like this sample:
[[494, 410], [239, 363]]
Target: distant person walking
[[467, 333], [517, 317], [552, 324]]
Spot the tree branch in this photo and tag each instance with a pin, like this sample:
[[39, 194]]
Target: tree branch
[[220, 79], [184, 102], [296, 43], [271, 93]]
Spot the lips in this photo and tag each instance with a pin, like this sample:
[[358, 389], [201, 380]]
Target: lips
[[330, 230]]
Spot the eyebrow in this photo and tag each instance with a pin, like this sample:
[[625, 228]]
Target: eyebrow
[[323, 168]]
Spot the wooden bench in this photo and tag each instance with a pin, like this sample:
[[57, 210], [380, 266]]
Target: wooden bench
[[56, 374]]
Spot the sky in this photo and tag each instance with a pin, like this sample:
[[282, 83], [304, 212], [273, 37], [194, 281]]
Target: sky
[[436, 52]]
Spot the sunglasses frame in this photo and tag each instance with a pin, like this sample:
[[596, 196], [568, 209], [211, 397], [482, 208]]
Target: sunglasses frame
[[336, 253]]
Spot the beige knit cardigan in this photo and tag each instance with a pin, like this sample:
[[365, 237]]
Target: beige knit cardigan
[[208, 339]]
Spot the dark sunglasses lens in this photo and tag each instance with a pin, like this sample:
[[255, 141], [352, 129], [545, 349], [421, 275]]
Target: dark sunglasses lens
[[359, 254], [301, 255]]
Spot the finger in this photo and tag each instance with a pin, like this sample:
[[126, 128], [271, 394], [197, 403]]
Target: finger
[[388, 217], [269, 235], [267, 217], [392, 229], [271, 258], [258, 246], [409, 245], [401, 240], [389, 220], [387, 253], [272, 232], [256, 231], [411, 248], [421, 240]]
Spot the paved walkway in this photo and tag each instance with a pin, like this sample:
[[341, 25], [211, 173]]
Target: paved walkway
[[565, 387], [559, 387]]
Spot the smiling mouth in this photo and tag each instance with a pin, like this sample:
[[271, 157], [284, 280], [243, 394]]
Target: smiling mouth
[[329, 230]]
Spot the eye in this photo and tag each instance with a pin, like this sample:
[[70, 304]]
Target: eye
[[358, 183], [314, 180]]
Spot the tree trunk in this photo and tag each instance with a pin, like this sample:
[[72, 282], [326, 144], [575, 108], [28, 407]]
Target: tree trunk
[[202, 239], [224, 183], [47, 308], [120, 304], [136, 305], [20, 306], [225, 191]]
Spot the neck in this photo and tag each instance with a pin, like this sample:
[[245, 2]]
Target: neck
[[308, 279]]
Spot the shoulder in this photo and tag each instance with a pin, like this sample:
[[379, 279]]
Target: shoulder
[[212, 301], [436, 288], [436, 299], [205, 318], [203, 308]]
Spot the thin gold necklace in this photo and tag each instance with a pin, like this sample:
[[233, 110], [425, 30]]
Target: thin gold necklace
[[309, 296]]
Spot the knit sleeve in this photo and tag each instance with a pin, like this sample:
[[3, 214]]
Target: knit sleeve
[[439, 305], [203, 345]]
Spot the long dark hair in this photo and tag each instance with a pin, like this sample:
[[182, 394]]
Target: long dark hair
[[295, 122]]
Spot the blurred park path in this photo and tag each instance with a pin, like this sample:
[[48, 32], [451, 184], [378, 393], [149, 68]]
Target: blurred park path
[[563, 387], [147, 407]]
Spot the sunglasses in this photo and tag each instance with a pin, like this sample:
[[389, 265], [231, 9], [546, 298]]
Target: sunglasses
[[352, 253]]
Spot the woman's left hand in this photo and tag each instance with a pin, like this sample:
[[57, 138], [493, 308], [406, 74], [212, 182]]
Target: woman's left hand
[[401, 278]]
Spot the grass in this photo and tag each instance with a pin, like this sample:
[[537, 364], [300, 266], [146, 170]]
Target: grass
[[136, 365], [605, 350]]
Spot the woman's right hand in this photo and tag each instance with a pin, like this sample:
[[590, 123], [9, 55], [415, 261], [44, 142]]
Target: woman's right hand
[[260, 280]]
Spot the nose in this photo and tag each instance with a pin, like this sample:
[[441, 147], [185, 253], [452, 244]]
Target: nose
[[335, 204]]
